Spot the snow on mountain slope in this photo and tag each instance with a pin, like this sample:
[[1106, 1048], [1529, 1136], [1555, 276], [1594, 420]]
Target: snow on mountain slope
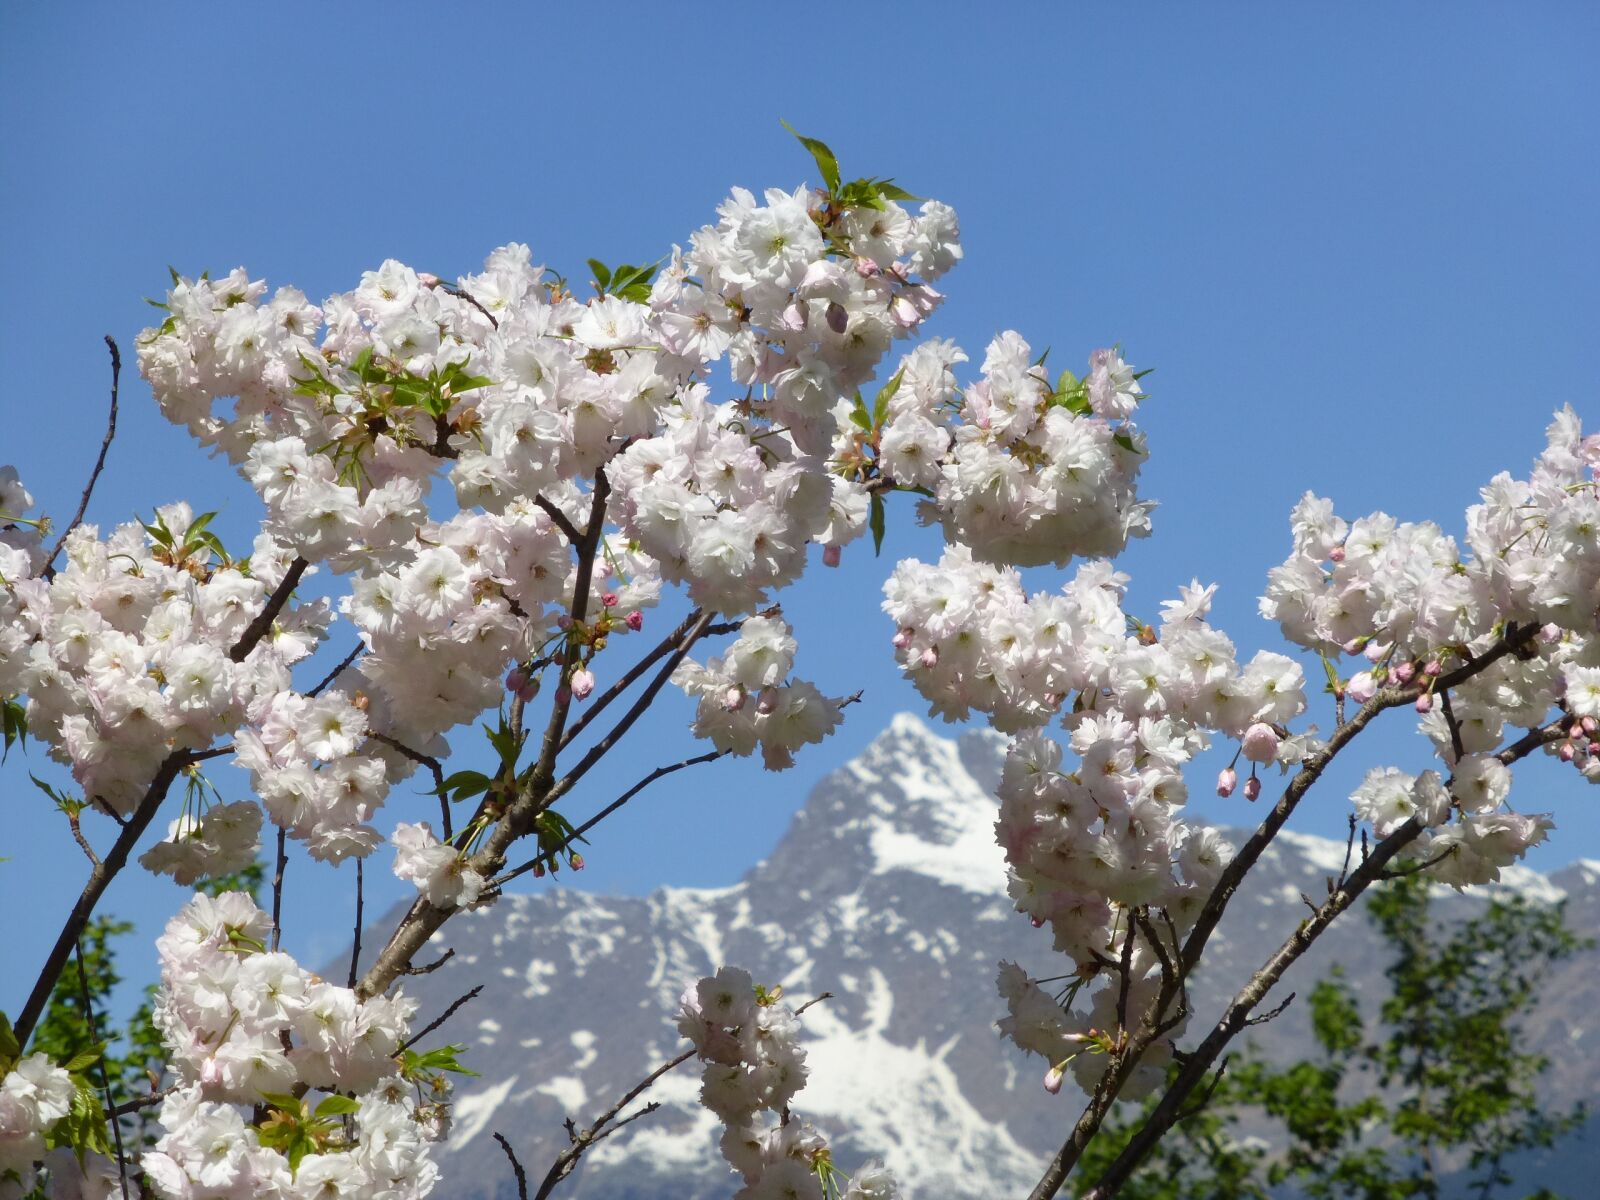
[[887, 891]]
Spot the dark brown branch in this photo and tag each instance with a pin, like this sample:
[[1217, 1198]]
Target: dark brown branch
[[277, 886], [1263, 1018], [435, 767], [516, 1167], [1454, 726], [138, 1102], [667, 644], [582, 1140], [463, 294], [659, 772], [434, 965], [625, 722], [105, 1076], [560, 520], [334, 674], [94, 476], [100, 877], [441, 1018], [1199, 1106], [258, 628], [355, 949]]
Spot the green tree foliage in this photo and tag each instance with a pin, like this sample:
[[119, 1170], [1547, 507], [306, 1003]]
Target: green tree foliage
[[1441, 1083]]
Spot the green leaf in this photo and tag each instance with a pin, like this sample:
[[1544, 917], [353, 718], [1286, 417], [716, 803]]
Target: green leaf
[[335, 1106], [84, 1058], [826, 161], [875, 523], [1125, 442], [9, 1046], [880, 407], [889, 191], [859, 415], [288, 1103], [602, 273], [464, 784]]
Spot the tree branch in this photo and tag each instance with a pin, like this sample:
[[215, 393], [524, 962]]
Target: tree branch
[[94, 476], [441, 1018], [258, 628], [516, 1167]]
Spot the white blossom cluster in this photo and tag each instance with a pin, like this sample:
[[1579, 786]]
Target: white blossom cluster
[[241, 1025], [127, 654], [1405, 598], [1021, 472], [748, 700], [749, 1042], [34, 1095]]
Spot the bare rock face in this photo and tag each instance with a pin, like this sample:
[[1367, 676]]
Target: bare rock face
[[888, 891]]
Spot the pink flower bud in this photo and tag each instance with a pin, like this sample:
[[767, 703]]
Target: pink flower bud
[[577, 862], [516, 679], [635, 621], [1425, 702], [1362, 687], [1376, 650], [1433, 668], [1036, 922], [831, 555], [1252, 788], [1567, 752], [1594, 749], [427, 279], [930, 656], [582, 682], [1589, 724], [563, 622], [1052, 1080], [1336, 554], [733, 699], [902, 638], [1260, 743], [538, 870], [1549, 633], [609, 599], [867, 269], [1405, 671], [1353, 646], [767, 702], [1227, 780]]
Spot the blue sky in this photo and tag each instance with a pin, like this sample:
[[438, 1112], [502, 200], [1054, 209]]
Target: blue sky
[[1357, 243]]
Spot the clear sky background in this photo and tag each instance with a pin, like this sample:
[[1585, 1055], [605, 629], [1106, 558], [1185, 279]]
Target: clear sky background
[[1357, 242]]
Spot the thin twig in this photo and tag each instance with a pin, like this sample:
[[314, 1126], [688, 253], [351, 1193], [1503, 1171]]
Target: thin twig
[[1199, 1106], [105, 1076], [549, 857], [277, 886], [138, 1102], [77, 835], [463, 294], [434, 965], [94, 475], [355, 950], [522, 1176], [435, 767], [1349, 845], [1416, 868], [581, 1141], [1263, 1018], [441, 1018], [334, 674]]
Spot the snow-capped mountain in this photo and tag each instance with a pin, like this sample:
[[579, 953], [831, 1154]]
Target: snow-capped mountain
[[889, 892]]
